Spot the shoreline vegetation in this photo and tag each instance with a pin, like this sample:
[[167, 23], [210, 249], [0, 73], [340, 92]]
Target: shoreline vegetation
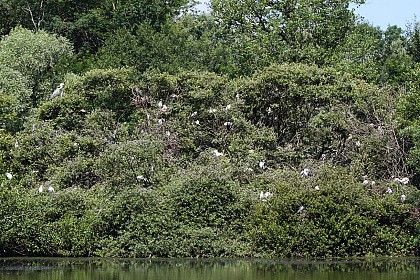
[[293, 134]]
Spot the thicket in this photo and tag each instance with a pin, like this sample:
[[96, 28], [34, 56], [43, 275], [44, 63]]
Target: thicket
[[203, 136]]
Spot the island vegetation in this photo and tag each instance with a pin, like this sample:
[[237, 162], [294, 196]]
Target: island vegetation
[[272, 129]]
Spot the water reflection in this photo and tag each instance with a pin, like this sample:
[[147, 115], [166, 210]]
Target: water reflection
[[159, 269]]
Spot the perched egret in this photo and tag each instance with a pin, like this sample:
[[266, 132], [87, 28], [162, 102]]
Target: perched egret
[[389, 190], [403, 198], [164, 108], [262, 165], [168, 133], [265, 195], [212, 110], [141, 177], [193, 114], [228, 107], [365, 182], [217, 153], [160, 104], [16, 144], [248, 169], [300, 209], [50, 189], [305, 172], [160, 121], [228, 125], [58, 91], [316, 188], [403, 181], [9, 176], [41, 188], [197, 122]]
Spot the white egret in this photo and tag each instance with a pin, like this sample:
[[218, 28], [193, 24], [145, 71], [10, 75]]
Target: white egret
[[403, 181], [262, 165], [197, 122], [365, 182], [265, 195], [305, 172], [41, 188], [141, 177], [217, 153], [164, 108], [58, 91], [389, 190], [228, 107], [193, 114], [9, 176], [300, 209], [228, 125], [403, 198], [50, 189], [316, 188], [212, 110]]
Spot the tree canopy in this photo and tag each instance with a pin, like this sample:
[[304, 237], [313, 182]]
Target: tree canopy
[[142, 128]]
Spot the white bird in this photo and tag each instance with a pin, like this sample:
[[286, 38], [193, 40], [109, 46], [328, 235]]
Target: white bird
[[403, 198], [168, 133], [164, 108], [217, 153], [193, 114], [212, 110], [316, 188], [141, 177], [300, 209], [228, 125], [404, 181], [262, 165], [228, 107], [50, 189], [160, 104], [41, 189], [16, 144], [160, 121], [58, 91], [365, 182], [9, 176], [197, 122], [389, 190], [305, 172], [265, 195]]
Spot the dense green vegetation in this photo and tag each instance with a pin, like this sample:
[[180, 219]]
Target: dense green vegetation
[[263, 129]]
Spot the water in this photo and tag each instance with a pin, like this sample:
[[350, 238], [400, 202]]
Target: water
[[161, 269]]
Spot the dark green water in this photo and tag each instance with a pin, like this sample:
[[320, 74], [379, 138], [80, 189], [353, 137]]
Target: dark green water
[[107, 269]]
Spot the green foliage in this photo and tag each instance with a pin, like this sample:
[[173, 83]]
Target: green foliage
[[32, 54], [321, 113], [180, 135], [343, 218], [15, 98]]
